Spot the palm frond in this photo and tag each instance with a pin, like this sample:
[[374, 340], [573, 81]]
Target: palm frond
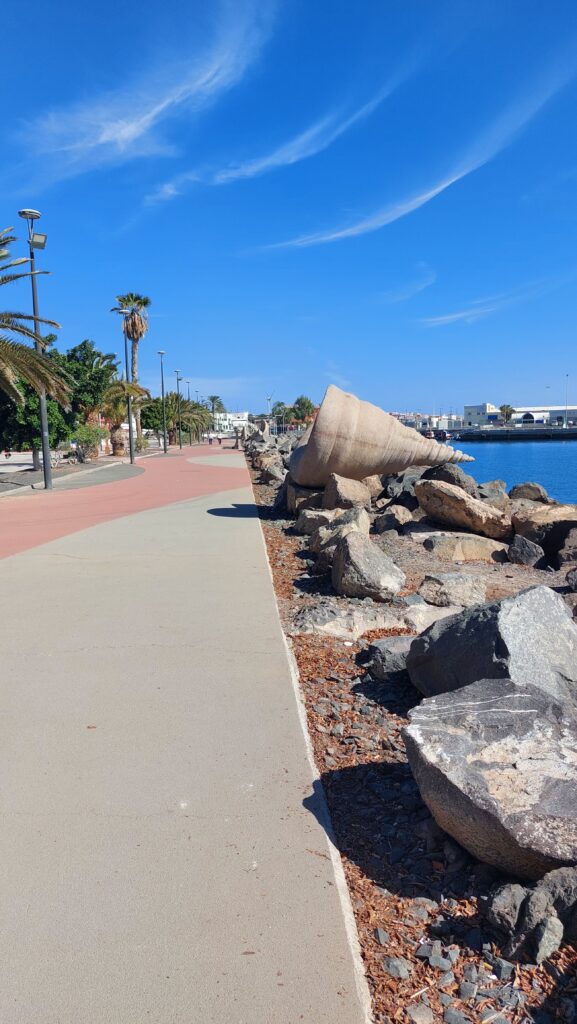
[[19, 362]]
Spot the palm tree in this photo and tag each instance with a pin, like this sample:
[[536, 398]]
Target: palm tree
[[216, 404], [192, 414], [114, 409], [506, 412], [18, 362], [303, 407], [136, 326]]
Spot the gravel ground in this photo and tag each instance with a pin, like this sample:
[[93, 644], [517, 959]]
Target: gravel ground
[[414, 891], [15, 481]]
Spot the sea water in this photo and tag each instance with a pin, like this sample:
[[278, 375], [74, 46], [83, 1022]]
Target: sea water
[[550, 463]]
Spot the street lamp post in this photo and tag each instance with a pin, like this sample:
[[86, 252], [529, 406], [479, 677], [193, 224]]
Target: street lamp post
[[187, 382], [178, 380], [124, 313], [38, 241], [164, 436], [566, 399]]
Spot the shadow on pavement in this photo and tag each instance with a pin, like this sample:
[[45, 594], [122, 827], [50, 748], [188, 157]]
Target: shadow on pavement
[[235, 512]]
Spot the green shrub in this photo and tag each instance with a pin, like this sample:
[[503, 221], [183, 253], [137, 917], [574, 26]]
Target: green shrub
[[88, 438]]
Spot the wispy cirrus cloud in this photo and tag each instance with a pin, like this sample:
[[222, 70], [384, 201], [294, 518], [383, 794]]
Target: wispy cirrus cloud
[[125, 124], [480, 308], [427, 276], [504, 130], [313, 140]]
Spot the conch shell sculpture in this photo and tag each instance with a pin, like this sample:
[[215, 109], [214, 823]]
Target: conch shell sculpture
[[356, 439]]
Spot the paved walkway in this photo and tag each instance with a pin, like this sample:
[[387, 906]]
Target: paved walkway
[[158, 866]]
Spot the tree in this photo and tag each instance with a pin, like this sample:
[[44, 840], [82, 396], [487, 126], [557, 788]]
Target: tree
[[192, 414], [20, 427], [506, 412], [216, 404], [136, 326], [279, 410], [303, 407], [151, 416], [18, 362], [93, 372], [115, 409], [88, 437]]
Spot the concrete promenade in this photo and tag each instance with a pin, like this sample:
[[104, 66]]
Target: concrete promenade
[[158, 866]]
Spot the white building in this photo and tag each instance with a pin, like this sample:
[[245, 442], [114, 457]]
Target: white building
[[553, 415], [481, 415], [226, 422]]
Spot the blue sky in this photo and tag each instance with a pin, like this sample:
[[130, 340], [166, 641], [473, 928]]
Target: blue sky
[[379, 195]]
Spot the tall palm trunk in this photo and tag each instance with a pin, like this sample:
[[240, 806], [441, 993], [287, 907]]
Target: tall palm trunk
[[134, 377]]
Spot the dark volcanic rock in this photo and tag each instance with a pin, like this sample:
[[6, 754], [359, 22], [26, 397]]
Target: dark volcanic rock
[[504, 906], [495, 764], [451, 474], [388, 657], [525, 552], [401, 486], [529, 637]]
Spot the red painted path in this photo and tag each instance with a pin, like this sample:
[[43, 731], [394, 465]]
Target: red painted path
[[27, 520]]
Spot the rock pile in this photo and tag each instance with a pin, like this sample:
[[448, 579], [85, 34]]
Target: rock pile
[[492, 745]]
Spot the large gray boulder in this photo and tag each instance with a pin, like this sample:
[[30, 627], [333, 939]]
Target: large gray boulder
[[346, 620], [343, 493], [567, 554], [451, 474], [453, 588], [309, 519], [452, 506], [352, 520], [298, 497], [525, 552], [547, 525], [387, 658], [395, 517], [464, 547], [494, 493], [496, 766], [529, 637], [401, 486], [530, 491], [361, 569]]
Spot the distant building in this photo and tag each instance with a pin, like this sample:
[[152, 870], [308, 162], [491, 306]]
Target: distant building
[[481, 415], [487, 415], [225, 422], [553, 415]]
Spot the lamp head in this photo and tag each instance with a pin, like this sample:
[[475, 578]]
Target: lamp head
[[29, 214], [161, 352]]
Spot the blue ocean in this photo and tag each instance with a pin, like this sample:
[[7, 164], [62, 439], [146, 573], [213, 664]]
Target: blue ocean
[[551, 463]]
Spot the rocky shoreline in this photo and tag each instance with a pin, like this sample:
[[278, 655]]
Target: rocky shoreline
[[445, 936]]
